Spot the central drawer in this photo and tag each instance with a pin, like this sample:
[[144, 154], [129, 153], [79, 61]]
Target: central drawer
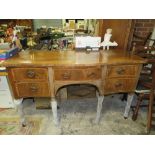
[[78, 74], [29, 74], [122, 71], [35, 89]]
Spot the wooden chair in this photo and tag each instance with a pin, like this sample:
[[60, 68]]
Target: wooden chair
[[146, 85], [142, 45], [143, 41]]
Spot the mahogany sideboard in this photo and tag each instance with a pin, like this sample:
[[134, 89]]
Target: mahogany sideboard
[[43, 73]]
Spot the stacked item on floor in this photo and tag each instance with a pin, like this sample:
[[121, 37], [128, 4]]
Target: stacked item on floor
[[6, 99]]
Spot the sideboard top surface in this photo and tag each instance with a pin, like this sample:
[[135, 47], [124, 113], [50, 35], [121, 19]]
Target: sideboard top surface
[[71, 58]]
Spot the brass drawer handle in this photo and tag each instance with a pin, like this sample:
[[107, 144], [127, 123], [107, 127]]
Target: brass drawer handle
[[66, 75], [31, 74], [120, 71], [91, 75], [33, 89], [118, 84]]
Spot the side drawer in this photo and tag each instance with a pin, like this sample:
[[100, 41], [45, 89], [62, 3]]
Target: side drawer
[[34, 89], [119, 85], [122, 71], [77, 74], [29, 74]]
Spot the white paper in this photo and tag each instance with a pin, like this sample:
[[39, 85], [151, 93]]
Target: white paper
[[82, 42]]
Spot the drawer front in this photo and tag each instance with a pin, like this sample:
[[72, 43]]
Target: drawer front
[[92, 73], [68, 74], [29, 74], [77, 74], [119, 85], [122, 71], [35, 89]]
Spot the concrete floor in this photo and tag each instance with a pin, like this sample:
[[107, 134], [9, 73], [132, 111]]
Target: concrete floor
[[77, 115]]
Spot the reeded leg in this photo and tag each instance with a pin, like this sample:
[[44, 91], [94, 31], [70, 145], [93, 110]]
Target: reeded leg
[[19, 106], [54, 111], [128, 105], [99, 107]]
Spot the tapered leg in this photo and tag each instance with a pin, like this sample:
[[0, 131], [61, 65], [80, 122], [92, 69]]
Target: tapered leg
[[54, 111], [128, 105], [99, 108], [20, 109]]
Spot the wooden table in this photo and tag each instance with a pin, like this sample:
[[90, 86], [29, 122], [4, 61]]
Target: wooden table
[[43, 73]]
